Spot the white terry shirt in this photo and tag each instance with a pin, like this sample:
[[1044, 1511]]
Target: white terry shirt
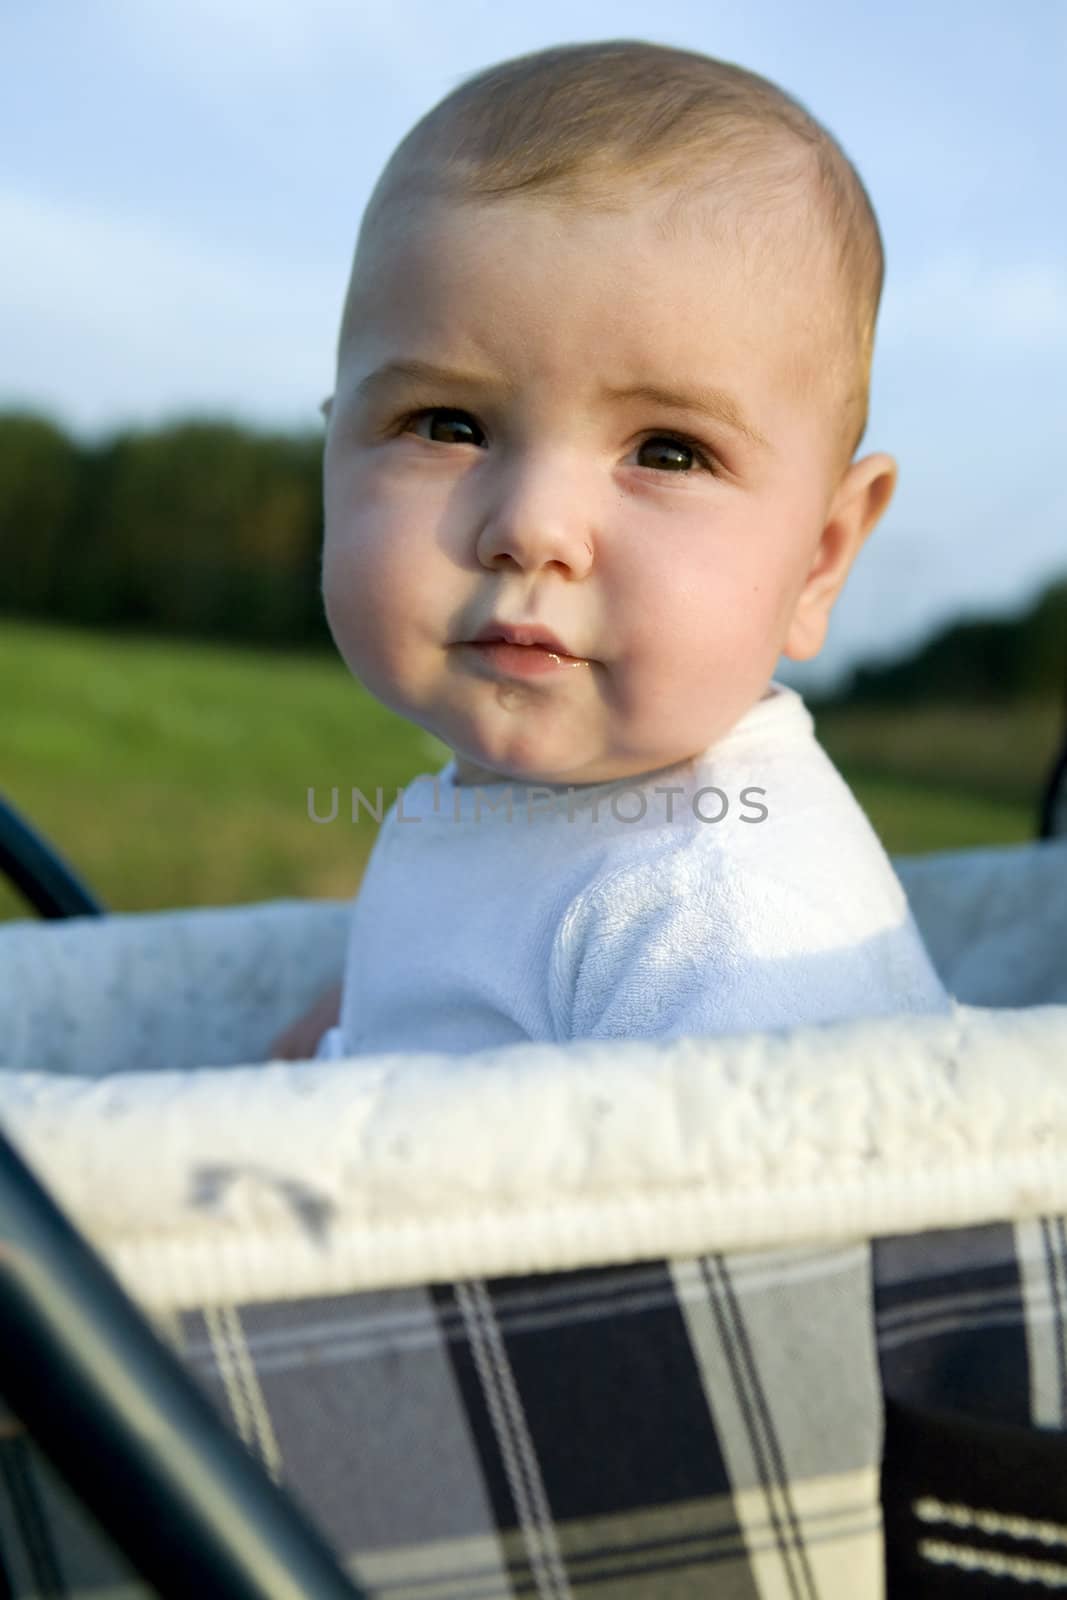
[[567, 920]]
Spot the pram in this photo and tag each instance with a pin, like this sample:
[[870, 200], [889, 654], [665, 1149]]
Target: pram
[[771, 1315]]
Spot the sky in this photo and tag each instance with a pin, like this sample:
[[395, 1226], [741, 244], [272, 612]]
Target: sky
[[181, 183]]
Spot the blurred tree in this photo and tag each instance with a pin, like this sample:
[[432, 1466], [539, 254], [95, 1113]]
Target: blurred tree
[[977, 661], [1045, 657], [198, 528], [39, 484]]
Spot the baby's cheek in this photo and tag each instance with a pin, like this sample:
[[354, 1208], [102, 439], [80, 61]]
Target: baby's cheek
[[372, 606], [355, 589]]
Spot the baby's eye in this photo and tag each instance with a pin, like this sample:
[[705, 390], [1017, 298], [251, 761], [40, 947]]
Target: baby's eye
[[459, 424], [453, 419], [669, 447]]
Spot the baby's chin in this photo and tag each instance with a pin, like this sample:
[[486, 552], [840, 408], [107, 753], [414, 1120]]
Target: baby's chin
[[471, 772], [521, 759]]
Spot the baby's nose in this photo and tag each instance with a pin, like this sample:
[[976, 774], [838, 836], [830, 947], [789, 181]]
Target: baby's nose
[[533, 527]]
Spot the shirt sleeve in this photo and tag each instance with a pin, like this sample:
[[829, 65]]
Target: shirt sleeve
[[689, 943]]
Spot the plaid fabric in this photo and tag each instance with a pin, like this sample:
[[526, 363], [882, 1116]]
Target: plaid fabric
[[972, 1334], [709, 1426]]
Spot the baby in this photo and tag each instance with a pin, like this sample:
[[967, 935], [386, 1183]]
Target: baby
[[603, 369]]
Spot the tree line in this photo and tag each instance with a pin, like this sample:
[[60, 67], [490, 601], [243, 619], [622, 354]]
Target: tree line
[[201, 528], [213, 530], [981, 660]]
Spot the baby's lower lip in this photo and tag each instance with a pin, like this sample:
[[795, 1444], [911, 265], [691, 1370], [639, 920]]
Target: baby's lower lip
[[521, 660]]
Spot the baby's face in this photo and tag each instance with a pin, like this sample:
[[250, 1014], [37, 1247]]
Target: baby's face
[[661, 546]]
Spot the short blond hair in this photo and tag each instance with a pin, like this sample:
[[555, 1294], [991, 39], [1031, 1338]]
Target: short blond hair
[[579, 124]]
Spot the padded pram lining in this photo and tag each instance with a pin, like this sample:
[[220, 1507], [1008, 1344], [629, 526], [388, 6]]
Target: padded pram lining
[[310, 1178], [256, 1181]]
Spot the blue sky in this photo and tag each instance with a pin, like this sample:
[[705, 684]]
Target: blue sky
[[181, 183]]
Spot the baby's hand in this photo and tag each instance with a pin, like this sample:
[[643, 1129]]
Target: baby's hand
[[299, 1040]]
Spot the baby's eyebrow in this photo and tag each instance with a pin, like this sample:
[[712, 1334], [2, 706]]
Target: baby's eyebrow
[[716, 404], [393, 373]]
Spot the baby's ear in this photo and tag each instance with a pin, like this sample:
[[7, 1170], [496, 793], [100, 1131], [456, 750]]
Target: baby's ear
[[327, 406], [862, 496]]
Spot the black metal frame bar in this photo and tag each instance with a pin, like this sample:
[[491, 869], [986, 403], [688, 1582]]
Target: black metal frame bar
[[125, 1425], [39, 872], [1053, 807]]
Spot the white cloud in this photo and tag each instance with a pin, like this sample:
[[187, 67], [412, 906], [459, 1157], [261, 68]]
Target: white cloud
[[957, 297], [108, 317], [301, 47]]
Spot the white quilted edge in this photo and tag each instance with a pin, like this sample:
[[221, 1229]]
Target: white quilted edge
[[294, 1179]]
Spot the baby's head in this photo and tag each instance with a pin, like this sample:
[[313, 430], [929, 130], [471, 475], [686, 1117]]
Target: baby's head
[[648, 281]]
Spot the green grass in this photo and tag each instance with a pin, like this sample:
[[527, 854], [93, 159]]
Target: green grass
[[176, 774], [946, 778]]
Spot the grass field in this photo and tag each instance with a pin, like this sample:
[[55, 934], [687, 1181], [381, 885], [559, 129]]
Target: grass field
[[175, 774]]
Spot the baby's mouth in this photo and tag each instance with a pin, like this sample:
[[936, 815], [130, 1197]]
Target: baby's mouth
[[527, 635], [520, 660], [520, 650]]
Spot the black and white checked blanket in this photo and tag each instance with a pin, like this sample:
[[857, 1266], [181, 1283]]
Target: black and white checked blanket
[[711, 1426]]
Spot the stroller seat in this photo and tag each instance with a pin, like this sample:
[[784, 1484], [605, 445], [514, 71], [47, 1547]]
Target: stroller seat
[[779, 1314]]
